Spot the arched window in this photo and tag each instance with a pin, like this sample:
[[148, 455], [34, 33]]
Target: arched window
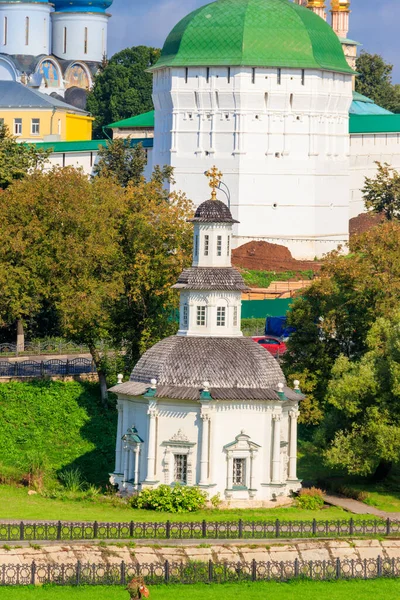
[[26, 31]]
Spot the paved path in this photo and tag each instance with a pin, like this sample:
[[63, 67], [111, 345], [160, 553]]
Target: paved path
[[359, 508]]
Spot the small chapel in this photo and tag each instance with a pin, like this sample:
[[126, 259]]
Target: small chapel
[[209, 407]]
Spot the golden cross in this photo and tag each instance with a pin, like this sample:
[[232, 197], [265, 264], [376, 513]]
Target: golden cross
[[215, 177]]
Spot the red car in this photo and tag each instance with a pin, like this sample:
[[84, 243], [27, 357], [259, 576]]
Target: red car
[[273, 344]]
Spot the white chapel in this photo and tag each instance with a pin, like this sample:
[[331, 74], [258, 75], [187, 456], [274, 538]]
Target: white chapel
[[209, 407]]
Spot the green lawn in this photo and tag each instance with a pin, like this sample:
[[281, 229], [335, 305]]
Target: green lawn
[[380, 589], [16, 504]]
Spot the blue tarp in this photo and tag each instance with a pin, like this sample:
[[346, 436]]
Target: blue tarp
[[277, 326]]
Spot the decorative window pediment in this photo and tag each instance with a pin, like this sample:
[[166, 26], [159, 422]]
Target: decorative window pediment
[[242, 443], [179, 440]]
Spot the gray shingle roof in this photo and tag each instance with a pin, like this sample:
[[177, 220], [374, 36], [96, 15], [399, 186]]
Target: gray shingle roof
[[213, 278], [213, 211], [14, 94]]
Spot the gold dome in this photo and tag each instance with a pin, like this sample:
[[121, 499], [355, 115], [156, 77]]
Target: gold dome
[[340, 5], [316, 4]]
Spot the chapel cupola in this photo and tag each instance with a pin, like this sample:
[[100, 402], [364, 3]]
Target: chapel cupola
[[318, 7], [211, 290]]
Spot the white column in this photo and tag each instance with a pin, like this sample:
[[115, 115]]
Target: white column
[[229, 481], [268, 429], [252, 477], [119, 442], [136, 475], [276, 449], [204, 450], [293, 414], [151, 445], [126, 464]]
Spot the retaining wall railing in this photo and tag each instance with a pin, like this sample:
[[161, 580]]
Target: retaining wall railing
[[59, 530], [33, 368], [196, 572]]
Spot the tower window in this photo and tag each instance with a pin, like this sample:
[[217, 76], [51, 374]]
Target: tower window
[[279, 76], [65, 40], [208, 75], [85, 42], [26, 31], [253, 75], [35, 126], [235, 316], [229, 74], [17, 126], [201, 316], [239, 471], [103, 46], [196, 246], [219, 245], [44, 33], [221, 314], [206, 244], [186, 74], [228, 246], [303, 77], [5, 31], [180, 468], [185, 315]]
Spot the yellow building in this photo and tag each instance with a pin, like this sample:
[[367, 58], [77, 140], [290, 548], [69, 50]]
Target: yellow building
[[33, 116]]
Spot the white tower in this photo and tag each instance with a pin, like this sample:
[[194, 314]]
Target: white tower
[[80, 29], [211, 291], [262, 87], [25, 27]]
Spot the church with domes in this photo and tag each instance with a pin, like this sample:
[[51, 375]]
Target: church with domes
[[209, 407], [54, 47]]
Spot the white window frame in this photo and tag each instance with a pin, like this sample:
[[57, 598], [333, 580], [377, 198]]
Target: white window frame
[[219, 245], [235, 316], [185, 315], [18, 126], [221, 316], [201, 316], [35, 126], [228, 246], [243, 482], [196, 246], [206, 244], [178, 456]]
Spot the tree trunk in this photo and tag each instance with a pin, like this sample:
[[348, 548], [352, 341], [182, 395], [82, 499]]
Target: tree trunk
[[20, 336], [102, 377], [382, 470]]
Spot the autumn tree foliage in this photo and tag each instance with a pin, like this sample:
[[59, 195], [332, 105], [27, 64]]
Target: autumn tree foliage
[[382, 193]]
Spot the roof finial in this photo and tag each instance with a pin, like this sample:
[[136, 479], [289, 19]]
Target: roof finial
[[215, 177]]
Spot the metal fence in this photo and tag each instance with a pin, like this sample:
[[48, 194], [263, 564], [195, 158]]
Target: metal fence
[[55, 366], [201, 530], [46, 347], [196, 572]]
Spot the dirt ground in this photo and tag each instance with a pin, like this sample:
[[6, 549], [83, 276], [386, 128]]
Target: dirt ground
[[264, 256]]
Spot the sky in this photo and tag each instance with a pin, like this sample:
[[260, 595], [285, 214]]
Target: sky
[[374, 23]]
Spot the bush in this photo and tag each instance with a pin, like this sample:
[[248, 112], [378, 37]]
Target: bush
[[349, 492], [177, 499], [310, 499]]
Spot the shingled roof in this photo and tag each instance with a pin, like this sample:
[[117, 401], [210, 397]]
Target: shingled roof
[[203, 278], [213, 211]]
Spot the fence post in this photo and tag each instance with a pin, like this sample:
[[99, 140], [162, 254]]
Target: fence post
[[15, 369], [59, 528], [123, 577], [388, 526], [67, 367], [131, 529], [42, 368], [296, 567], [78, 572], [351, 523], [95, 529], [204, 528], [166, 571], [338, 568], [240, 532], [277, 528], [33, 572], [314, 527], [254, 570], [21, 531], [168, 529], [210, 571], [379, 566]]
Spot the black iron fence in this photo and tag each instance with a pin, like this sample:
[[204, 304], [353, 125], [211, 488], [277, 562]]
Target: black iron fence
[[33, 368], [197, 572], [201, 530]]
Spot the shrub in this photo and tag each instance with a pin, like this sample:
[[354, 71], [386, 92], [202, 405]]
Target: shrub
[[349, 492], [177, 499], [310, 499]]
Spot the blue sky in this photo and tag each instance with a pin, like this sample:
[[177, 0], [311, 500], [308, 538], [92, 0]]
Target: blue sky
[[374, 23]]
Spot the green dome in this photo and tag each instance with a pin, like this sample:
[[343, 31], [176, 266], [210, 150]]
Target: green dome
[[253, 33]]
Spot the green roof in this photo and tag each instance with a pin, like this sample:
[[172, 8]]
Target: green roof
[[254, 33], [374, 123], [143, 120], [87, 145]]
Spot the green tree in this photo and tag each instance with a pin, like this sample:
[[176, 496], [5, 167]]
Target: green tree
[[375, 81], [121, 161], [382, 193], [335, 313], [122, 87], [16, 160], [366, 397]]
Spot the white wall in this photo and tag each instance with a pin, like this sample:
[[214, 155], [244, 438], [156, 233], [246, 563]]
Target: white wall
[[15, 31], [75, 25], [283, 148], [365, 150]]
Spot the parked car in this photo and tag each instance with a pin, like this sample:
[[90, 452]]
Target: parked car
[[273, 344]]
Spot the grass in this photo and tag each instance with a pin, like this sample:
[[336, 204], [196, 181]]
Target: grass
[[16, 504], [263, 279], [379, 589]]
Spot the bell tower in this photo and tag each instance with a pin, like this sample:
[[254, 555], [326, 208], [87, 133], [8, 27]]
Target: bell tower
[[341, 17]]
